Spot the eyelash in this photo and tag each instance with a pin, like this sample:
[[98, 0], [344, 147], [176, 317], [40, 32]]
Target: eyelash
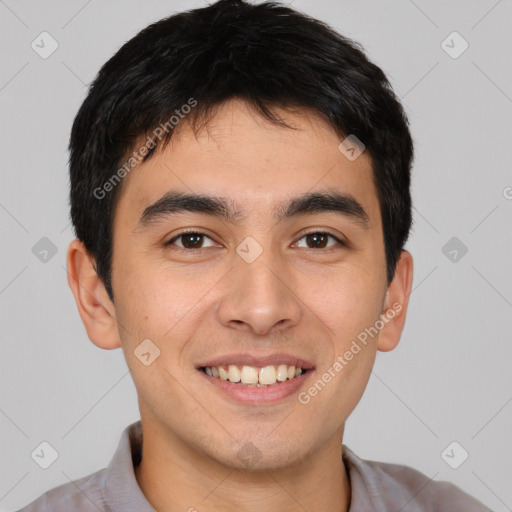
[[193, 232]]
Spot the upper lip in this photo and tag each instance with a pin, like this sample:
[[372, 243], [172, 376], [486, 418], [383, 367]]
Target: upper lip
[[257, 360]]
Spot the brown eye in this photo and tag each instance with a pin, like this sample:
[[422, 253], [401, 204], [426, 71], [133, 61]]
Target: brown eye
[[190, 240], [319, 240]]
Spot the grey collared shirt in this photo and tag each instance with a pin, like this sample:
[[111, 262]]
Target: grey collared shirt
[[376, 486]]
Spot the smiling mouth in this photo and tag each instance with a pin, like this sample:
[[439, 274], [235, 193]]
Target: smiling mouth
[[254, 376]]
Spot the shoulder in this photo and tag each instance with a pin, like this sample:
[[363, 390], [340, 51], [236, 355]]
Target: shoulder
[[84, 494], [386, 486]]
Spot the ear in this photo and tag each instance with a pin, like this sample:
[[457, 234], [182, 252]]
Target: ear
[[94, 305], [395, 304]]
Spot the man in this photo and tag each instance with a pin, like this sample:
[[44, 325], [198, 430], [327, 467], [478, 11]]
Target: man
[[240, 193]]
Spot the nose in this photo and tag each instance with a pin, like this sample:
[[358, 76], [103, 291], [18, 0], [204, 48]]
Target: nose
[[258, 297]]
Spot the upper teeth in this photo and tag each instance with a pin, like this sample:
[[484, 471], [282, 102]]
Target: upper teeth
[[253, 375]]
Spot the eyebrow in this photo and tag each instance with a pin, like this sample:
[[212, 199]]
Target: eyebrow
[[174, 202]]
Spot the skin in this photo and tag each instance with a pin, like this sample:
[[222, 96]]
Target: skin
[[293, 298]]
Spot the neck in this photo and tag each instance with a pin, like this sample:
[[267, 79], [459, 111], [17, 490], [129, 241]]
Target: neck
[[174, 476]]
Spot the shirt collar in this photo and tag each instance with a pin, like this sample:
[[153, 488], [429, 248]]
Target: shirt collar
[[122, 491], [364, 484]]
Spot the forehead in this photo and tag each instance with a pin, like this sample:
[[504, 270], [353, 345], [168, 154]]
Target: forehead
[[256, 164]]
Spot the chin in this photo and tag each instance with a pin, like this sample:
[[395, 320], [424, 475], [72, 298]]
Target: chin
[[258, 455]]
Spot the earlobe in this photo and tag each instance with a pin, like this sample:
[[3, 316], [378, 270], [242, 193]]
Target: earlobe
[[396, 302], [94, 305]]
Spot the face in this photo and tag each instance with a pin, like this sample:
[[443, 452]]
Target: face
[[266, 287]]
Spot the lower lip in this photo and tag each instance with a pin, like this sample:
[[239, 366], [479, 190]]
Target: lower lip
[[258, 395]]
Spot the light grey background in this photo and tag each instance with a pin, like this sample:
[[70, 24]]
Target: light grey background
[[449, 379]]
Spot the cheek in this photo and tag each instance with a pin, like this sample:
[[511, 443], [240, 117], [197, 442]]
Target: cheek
[[154, 305], [347, 304], [162, 304], [350, 306]]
